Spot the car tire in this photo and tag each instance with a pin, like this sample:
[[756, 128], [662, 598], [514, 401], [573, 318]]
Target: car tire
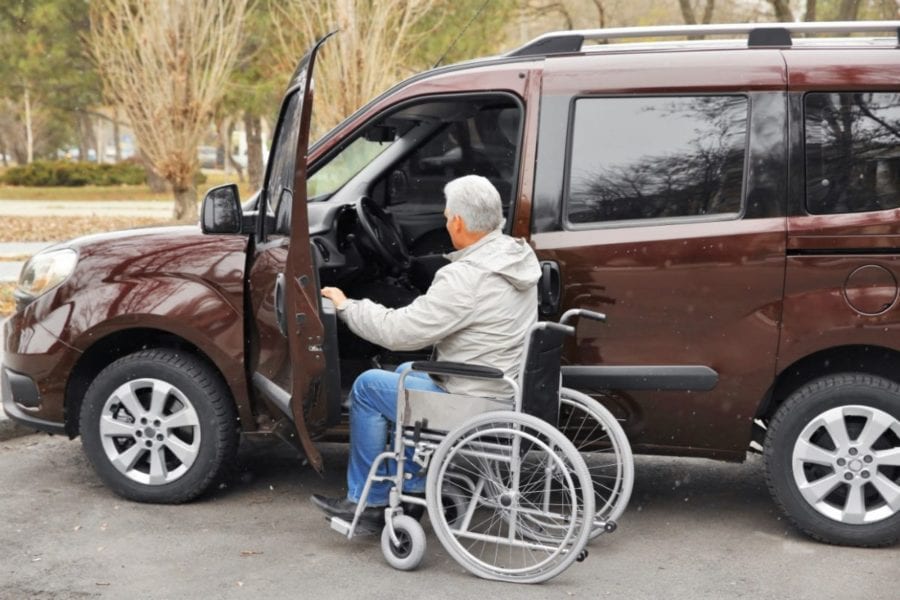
[[832, 456], [159, 426]]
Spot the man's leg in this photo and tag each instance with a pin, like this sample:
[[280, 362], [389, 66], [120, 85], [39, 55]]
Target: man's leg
[[373, 408]]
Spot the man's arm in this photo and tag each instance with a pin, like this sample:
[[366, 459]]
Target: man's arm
[[447, 307]]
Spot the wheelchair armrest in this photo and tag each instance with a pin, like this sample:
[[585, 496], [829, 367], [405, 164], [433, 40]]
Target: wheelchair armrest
[[445, 367]]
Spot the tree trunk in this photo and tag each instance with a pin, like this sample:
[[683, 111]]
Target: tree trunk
[[229, 155], [99, 138], [782, 9], [117, 142], [185, 203], [4, 152], [157, 184], [687, 12], [690, 18], [87, 139], [708, 11], [849, 10], [29, 133], [810, 15], [601, 13], [221, 144], [253, 127]]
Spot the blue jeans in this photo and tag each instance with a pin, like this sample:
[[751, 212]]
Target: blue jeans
[[373, 408]]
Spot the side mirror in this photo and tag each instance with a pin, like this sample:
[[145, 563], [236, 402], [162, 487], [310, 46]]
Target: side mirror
[[221, 210]]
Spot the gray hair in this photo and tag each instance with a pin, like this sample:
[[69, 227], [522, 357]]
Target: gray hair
[[476, 201]]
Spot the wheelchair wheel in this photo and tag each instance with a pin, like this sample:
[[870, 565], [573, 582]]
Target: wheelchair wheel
[[602, 443], [525, 476], [408, 554]]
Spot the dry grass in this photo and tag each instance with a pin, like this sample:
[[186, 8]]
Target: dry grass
[[121, 192], [48, 229], [7, 304], [83, 194]]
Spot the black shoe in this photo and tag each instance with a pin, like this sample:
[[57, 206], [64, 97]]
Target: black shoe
[[345, 509]]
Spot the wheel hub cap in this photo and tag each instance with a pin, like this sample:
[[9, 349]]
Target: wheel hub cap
[[150, 431], [846, 464]]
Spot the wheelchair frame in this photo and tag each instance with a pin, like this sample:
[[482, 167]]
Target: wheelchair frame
[[438, 425]]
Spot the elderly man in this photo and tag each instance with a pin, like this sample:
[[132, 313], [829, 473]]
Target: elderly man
[[477, 311]]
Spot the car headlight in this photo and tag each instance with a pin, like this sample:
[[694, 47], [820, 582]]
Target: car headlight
[[46, 270]]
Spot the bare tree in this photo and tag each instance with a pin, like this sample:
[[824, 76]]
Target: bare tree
[[371, 52], [847, 10], [165, 64], [534, 10], [687, 11], [783, 12]]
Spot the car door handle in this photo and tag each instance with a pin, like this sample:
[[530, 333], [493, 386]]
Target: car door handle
[[550, 288]]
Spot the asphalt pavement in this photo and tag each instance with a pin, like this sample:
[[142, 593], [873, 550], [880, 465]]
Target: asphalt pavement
[[695, 529]]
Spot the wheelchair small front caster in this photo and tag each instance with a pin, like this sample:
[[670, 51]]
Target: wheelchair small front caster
[[610, 526], [582, 555], [408, 554]]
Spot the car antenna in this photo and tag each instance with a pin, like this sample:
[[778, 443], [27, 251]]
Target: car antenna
[[460, 34]]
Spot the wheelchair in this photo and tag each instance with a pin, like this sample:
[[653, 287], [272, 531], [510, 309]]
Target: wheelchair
[[510, 496]]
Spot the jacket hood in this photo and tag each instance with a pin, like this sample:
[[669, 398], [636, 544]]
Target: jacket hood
[[511, 258]]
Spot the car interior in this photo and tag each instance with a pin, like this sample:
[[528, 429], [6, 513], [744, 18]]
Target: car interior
[[376, 202]]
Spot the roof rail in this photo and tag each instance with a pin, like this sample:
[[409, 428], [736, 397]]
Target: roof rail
[[759, 34]]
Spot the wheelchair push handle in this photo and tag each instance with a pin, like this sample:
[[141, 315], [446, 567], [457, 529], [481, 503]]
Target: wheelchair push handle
[[582, 312]]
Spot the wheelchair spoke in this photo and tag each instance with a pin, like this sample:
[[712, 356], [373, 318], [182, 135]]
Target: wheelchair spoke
[[525, 511]]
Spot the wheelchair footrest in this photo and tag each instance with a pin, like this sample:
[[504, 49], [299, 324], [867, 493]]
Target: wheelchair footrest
[[339, 525]]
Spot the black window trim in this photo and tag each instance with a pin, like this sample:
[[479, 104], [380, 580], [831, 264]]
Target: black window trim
[[567, 225]]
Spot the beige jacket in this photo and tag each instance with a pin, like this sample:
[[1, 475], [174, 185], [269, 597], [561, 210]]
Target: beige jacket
[[477, 311]]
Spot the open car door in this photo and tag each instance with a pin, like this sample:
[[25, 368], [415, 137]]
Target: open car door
[[301, 300]]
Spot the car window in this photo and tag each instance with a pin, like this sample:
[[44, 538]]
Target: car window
[[484, 143], [280, 185], [343, 166], [653, 158], [852, 152]]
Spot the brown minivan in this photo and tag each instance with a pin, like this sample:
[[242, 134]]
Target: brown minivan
[[732, 205]]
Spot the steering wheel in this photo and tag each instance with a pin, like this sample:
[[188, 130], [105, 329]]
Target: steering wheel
[[382, 236]]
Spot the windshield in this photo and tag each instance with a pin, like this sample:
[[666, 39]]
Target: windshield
[[340, 169]]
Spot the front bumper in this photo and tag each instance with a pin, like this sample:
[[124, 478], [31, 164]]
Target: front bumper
[[34, 370], [19, 394]]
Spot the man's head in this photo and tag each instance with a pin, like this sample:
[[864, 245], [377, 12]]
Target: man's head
[[473, 209]]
